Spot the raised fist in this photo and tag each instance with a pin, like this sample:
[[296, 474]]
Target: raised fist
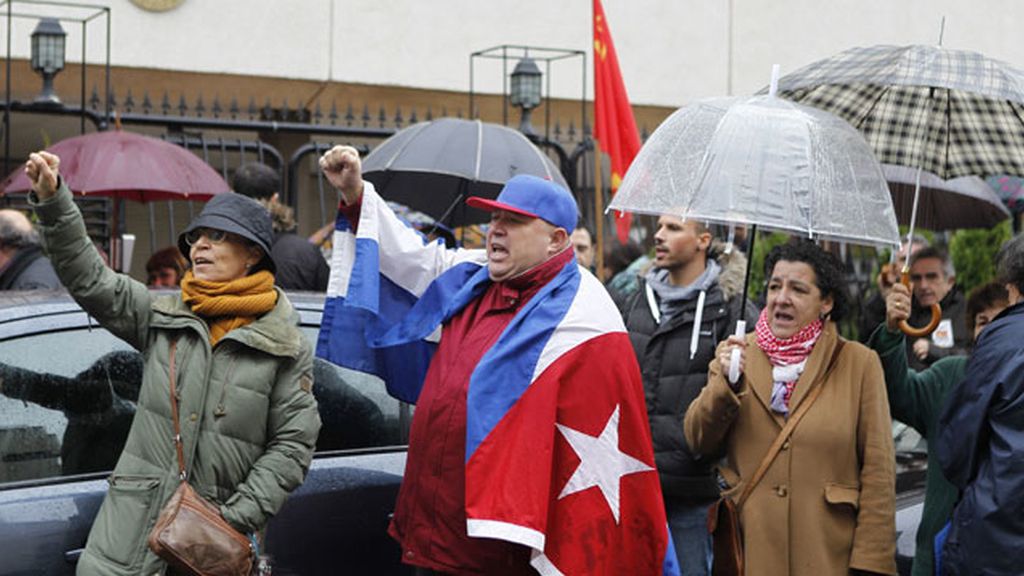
[[343, 169], [41, 170]]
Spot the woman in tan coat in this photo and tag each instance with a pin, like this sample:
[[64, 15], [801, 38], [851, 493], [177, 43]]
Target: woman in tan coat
[[826, 504]]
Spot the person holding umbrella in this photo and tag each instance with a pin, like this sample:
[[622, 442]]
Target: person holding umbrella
[[818, 499], [873, 310], [917, 397], [248, 421]]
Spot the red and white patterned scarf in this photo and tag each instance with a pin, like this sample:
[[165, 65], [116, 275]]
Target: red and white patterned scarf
[[788, 357]]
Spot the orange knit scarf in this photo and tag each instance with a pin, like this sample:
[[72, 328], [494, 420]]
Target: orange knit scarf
[[229, 305]]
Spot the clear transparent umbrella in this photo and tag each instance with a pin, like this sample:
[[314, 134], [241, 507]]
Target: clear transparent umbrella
[[765, 162]]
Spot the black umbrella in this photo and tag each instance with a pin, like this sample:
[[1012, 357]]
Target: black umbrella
[[434, 166], [965, 202]]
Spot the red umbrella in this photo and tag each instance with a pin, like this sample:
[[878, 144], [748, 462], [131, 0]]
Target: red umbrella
[[127, 165]]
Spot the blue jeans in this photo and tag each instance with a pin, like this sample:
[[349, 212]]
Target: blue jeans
[[688, 524]]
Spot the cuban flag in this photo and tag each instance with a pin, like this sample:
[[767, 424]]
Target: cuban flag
[[366, 296], [558, 447]]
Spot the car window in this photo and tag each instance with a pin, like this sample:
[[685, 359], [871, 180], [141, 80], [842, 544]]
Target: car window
[[66, 401], [355, 408], [906, 439]]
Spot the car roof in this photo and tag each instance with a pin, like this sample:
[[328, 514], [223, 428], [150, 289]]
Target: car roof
[[35, 311]]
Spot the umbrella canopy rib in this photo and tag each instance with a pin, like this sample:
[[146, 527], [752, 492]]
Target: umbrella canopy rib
[[415, 131], [479, 149]]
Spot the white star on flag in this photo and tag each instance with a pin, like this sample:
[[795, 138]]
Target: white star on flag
[[602, 464]]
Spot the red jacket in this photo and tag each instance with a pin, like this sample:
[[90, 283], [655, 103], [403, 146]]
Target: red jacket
[[430, 517]]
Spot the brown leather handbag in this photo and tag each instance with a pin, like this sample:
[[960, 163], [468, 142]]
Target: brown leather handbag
[[190, 534], [724, 515]]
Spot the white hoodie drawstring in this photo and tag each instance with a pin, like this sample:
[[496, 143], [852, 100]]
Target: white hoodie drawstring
[[697, 318], [652, 302]]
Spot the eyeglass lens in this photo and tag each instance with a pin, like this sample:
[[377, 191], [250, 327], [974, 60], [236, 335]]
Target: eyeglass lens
[[213, 235]]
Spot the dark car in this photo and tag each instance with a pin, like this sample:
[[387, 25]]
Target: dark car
[[57, 448], [67, 392], [911, 468]]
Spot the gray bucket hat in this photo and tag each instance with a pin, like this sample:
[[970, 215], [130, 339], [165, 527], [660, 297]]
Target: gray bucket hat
[[239, 215]]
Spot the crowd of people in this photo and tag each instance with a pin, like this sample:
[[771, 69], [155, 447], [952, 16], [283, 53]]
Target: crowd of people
[[801, 440]]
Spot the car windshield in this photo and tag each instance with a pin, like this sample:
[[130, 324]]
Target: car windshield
[[67, 400], [47, 380]]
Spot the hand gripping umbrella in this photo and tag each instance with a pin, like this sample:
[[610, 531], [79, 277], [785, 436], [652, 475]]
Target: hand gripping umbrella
[[766, 162], [949, 112]]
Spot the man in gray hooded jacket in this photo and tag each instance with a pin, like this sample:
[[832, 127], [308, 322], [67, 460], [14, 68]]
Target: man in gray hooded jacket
[[687, 303]]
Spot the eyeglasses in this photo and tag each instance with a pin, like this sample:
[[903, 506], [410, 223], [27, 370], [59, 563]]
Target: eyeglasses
[[212, 234]]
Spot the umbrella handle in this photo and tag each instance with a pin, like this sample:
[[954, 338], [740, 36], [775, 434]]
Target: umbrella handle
[[734, 357], [927, 329]]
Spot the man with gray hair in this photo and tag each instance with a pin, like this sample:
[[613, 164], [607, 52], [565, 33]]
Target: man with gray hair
[[873, 311], [981, 440], [933, 281], [22, 263]]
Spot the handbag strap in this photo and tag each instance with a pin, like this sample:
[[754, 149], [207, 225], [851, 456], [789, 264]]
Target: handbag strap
[[174, 415], [787, 430]]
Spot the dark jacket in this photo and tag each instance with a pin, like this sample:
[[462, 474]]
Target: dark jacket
[[981, 448], [954, 309], [29, 270], [672, 380], [300, 265], [916, 398]]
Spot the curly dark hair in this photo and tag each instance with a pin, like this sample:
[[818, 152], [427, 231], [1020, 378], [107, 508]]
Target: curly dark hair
[[828, 270], [982, 298]]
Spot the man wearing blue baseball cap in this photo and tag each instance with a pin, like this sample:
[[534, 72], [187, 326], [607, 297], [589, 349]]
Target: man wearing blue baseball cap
[[530, 222], [516, 320]]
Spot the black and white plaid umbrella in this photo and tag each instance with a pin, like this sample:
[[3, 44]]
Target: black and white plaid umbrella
[[951, 112]]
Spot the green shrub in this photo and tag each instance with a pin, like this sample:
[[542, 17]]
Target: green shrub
[[763, 245], [974, 254]]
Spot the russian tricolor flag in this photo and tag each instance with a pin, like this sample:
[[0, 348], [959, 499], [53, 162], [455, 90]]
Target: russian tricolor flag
[[558, 447]]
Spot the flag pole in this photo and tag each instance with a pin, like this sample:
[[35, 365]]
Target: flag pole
[[599, 213], [598, 196]]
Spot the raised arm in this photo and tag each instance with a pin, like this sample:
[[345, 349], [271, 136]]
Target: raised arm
[[914, 397], [402, 255], [119, 303]]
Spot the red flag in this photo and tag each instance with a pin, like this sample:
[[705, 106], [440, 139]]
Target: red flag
[[614, 125]]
